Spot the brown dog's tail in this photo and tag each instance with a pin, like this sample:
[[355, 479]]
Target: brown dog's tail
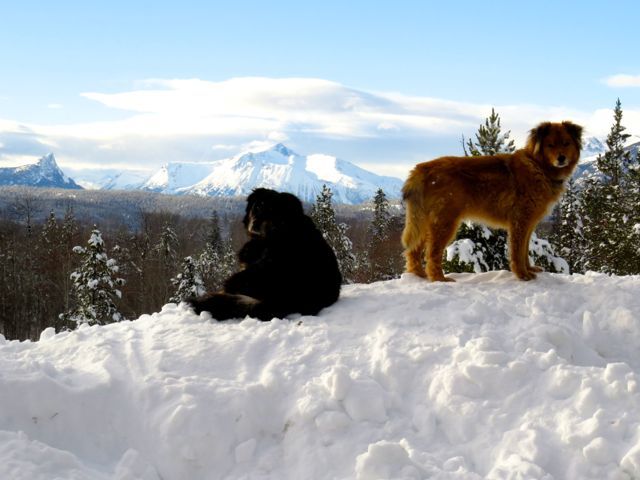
[[413, 195]]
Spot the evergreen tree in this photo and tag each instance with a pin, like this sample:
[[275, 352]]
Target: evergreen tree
[[51, 234], [166, 256], [380, 263], [477, 248], [615, 160], [188, 282], [217, 262], [542, 254], [567, 230], [489, 139], [608, 209], [214, 236], [95, 285], [167, 245], [324, 216]]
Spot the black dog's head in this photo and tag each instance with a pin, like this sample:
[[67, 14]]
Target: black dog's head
[[268, 210]]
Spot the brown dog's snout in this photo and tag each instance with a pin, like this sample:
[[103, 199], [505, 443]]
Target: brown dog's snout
[[561, 159]]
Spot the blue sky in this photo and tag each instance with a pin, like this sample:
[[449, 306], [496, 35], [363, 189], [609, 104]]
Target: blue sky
[[532, 61]]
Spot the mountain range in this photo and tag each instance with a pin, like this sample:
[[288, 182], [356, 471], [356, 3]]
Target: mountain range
[[276, 167]]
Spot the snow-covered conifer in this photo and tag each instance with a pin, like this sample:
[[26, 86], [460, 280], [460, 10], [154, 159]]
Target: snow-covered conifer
[[95, 285], [188, 282], [324, 216]]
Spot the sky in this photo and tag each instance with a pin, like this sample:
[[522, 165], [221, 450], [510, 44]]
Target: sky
[[133, 85]]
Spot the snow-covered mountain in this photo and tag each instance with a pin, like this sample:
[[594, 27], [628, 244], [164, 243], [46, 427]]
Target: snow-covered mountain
[[45, 173], [275, 167]]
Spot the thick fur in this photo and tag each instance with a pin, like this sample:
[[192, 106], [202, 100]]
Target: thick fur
[[287, 266], [511, 191]]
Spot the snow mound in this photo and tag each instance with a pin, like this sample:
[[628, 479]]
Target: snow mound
[[485, 378]]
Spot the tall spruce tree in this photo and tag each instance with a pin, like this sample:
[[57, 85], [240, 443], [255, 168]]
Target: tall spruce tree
[[607, 209], [217, 262], [616, 159], [95, 285], [380, 263], [567, 235], [324, 216], [188, 282], [489, 139]]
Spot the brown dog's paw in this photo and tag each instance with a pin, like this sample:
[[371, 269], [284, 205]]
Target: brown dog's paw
[[525, 276], [535, 269], [440, 278]]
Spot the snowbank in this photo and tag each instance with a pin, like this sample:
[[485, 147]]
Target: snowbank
[[485, 378]]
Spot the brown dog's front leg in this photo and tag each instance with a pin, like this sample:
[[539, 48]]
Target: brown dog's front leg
[[519, 234]]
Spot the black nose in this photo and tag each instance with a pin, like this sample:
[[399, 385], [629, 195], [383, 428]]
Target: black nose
[[561, 159]]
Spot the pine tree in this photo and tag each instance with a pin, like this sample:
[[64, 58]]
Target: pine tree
[[542, 254], [615, 160], [166, 256], [214, 236], [380, 263], [217, 262], [607, 207], [489, 139], [167, 245], [188, 282], [95, 285], [324, 216], [477, 248], [567, 235]]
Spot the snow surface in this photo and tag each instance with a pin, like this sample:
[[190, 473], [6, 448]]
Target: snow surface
[[488, 377]]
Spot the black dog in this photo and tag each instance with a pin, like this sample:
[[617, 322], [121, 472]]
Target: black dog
[[288, 267]]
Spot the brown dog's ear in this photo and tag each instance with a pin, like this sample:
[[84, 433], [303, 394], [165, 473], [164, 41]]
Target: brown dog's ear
[[575, 131], [536, 136]]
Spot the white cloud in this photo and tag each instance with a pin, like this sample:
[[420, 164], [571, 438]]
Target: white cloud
[[55, 106], [196, 120], [623, 80]]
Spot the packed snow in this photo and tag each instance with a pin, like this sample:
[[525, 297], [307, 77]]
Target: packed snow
[[488, 377]]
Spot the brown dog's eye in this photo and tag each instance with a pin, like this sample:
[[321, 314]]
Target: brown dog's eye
[[550, 145]]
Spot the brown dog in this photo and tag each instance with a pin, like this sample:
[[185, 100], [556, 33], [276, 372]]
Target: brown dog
[[512, 191]]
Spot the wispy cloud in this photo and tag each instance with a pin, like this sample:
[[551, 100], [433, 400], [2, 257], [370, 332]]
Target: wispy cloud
[[196, 120], [623, 80]]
